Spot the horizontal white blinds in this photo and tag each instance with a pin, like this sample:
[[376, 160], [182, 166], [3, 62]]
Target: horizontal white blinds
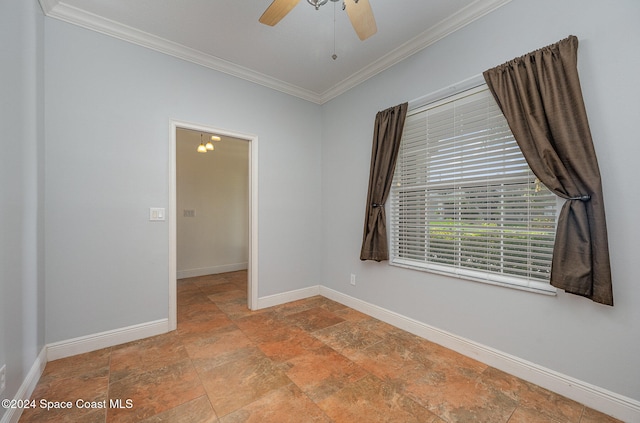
[[464, 200]]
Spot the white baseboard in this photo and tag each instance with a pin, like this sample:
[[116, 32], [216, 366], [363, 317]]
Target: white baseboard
[[106, 339], [80, 345], [618, 406], [213, 270], [29, 383], [287, 297]]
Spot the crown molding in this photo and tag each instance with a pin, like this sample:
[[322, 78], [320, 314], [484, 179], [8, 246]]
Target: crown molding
[[48, 5], [464, 17], [64, 12]]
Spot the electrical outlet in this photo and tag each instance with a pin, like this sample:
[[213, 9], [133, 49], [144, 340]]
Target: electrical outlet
[[353, 279], [3, 378]]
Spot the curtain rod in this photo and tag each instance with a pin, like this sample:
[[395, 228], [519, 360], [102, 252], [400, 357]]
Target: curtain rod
[[465, 84]]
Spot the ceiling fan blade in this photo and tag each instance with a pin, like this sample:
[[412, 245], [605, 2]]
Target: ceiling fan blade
[[361, 17], [276, 11]]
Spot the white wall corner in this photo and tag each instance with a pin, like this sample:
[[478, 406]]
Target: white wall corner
[[600, 399], [29, 383]]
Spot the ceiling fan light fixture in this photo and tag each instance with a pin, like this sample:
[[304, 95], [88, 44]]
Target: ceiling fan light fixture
[[317, 3], [359, 12]]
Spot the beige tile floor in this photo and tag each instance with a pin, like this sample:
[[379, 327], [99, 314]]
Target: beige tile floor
[[312, 360]]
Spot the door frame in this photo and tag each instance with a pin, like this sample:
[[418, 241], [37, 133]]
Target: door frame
[[252, 273]]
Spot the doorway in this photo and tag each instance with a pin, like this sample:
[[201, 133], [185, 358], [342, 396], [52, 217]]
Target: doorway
[[252, 219]]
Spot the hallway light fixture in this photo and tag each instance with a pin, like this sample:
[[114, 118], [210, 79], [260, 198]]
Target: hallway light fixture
[[209, 144], [203, 148]]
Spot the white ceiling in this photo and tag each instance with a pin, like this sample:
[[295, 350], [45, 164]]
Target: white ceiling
[[295, 55]]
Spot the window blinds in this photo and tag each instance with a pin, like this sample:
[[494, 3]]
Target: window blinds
[[464, 200]]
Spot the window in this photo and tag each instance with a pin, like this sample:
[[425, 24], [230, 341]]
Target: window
[[464, 201]]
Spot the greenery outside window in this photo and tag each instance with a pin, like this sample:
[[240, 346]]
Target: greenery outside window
[[464, 201]]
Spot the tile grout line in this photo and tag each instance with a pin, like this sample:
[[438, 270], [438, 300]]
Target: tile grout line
[[206, 394], [493, 382]]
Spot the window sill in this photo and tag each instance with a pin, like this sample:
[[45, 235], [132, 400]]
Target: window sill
[[477, 276]]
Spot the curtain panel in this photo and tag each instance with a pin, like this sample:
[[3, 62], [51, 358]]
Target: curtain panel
[[387, 133], [541, 98]]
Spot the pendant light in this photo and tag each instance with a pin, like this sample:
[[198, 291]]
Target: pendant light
[[202, 148], [209, 145]]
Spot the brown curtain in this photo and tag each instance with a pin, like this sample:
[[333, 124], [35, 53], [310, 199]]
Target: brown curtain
[[541, 98], [387, 133]]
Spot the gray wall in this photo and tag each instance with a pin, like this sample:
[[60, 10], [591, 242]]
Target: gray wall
[[591, 342], [109, 106], [21, 190]]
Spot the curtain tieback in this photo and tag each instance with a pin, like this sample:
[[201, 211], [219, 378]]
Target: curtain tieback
[[581, 198], [374, 205]]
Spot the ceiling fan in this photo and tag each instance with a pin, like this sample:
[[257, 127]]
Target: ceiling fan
[[359, 12]]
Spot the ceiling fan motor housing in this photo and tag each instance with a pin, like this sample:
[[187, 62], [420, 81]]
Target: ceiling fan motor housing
[[318, 3]]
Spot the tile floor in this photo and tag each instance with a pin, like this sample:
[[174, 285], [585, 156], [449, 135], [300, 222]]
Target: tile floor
[[312, 360]]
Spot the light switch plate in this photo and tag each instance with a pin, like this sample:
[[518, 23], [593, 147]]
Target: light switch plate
[[156, 214]]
